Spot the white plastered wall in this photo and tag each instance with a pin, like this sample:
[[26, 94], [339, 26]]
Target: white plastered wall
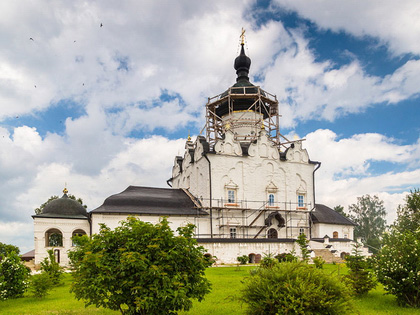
[[66, 227]]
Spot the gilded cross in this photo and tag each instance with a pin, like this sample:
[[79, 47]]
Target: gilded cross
[[242, 36]]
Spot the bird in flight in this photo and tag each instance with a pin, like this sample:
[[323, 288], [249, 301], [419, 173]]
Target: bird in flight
[[30, 38], [101, 25]]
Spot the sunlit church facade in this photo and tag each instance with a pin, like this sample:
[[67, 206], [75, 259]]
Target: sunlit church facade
[[247, 189]]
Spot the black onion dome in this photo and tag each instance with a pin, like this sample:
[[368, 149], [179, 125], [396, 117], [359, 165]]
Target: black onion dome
[[64, 207], [242, 65]]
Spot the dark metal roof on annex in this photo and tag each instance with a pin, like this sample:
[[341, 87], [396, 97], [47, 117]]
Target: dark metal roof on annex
[[324, 214], [63, 208], [150, 201]]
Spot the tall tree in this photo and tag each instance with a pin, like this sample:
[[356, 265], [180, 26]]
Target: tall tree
[[398, 261], [6, 249], [409, 213], [369, 215]]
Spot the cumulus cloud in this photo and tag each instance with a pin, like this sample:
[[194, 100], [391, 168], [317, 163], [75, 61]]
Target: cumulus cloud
[[395, 24], [347, 168], [321, 90]]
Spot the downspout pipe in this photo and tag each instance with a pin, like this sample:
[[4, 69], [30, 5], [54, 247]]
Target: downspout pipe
[[318, 165], [211, 196]]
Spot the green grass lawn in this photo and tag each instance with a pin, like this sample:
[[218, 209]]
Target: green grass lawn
[[226, 282]]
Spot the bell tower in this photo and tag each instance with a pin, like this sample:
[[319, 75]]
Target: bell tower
[[244, 108]]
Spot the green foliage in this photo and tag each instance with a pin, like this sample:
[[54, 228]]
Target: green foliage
[[283, 257], [268, 261], [140, 268], [398, 266], [303, 244], [6, 249], [369, 215], [242, 259], [295, 288], [40, 285], [13, 277], [398, 262], [409, 214], [52, 268], [318, 262], [359, 277], [340, 210], [41, 207]]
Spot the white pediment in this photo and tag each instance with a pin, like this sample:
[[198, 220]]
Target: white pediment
[[228, 146]]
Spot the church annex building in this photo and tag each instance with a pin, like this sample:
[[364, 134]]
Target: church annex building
[[246, 188]]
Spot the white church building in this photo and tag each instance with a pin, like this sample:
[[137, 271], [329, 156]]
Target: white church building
[[246, 188]]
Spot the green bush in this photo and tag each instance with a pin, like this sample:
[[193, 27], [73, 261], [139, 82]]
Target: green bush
[[359, 277], [268, 261], [398, 266], [242, 259], [40, 285], [319, 262], [283, 257], [52, 268], [295, 288], [13, 277]]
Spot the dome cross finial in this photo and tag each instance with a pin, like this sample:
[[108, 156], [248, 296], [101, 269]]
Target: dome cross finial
[[242, 36]]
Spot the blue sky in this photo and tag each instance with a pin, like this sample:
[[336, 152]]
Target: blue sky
[[100, 108]]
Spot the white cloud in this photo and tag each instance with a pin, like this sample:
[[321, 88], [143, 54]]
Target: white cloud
[[320, 90], [347, 163], [394, 23]]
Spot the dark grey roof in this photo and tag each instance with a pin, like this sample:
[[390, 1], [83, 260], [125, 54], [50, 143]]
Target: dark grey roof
[[150, 200], [28, 256], [324, 214], [63, 207]]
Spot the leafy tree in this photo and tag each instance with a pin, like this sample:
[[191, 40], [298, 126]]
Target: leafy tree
[[369, 215], [295, 288], [40, 285], [360, 278], [6, 249], [340, 210], [398, 262], [13, 277], [303, 244], [140, 268], [398, 266], [409, 214], [52, 268], [41, 207]]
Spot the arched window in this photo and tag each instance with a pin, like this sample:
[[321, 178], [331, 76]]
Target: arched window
[[272, 233], [53, 238], [271, 200], [335, 234], [78, 232]]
